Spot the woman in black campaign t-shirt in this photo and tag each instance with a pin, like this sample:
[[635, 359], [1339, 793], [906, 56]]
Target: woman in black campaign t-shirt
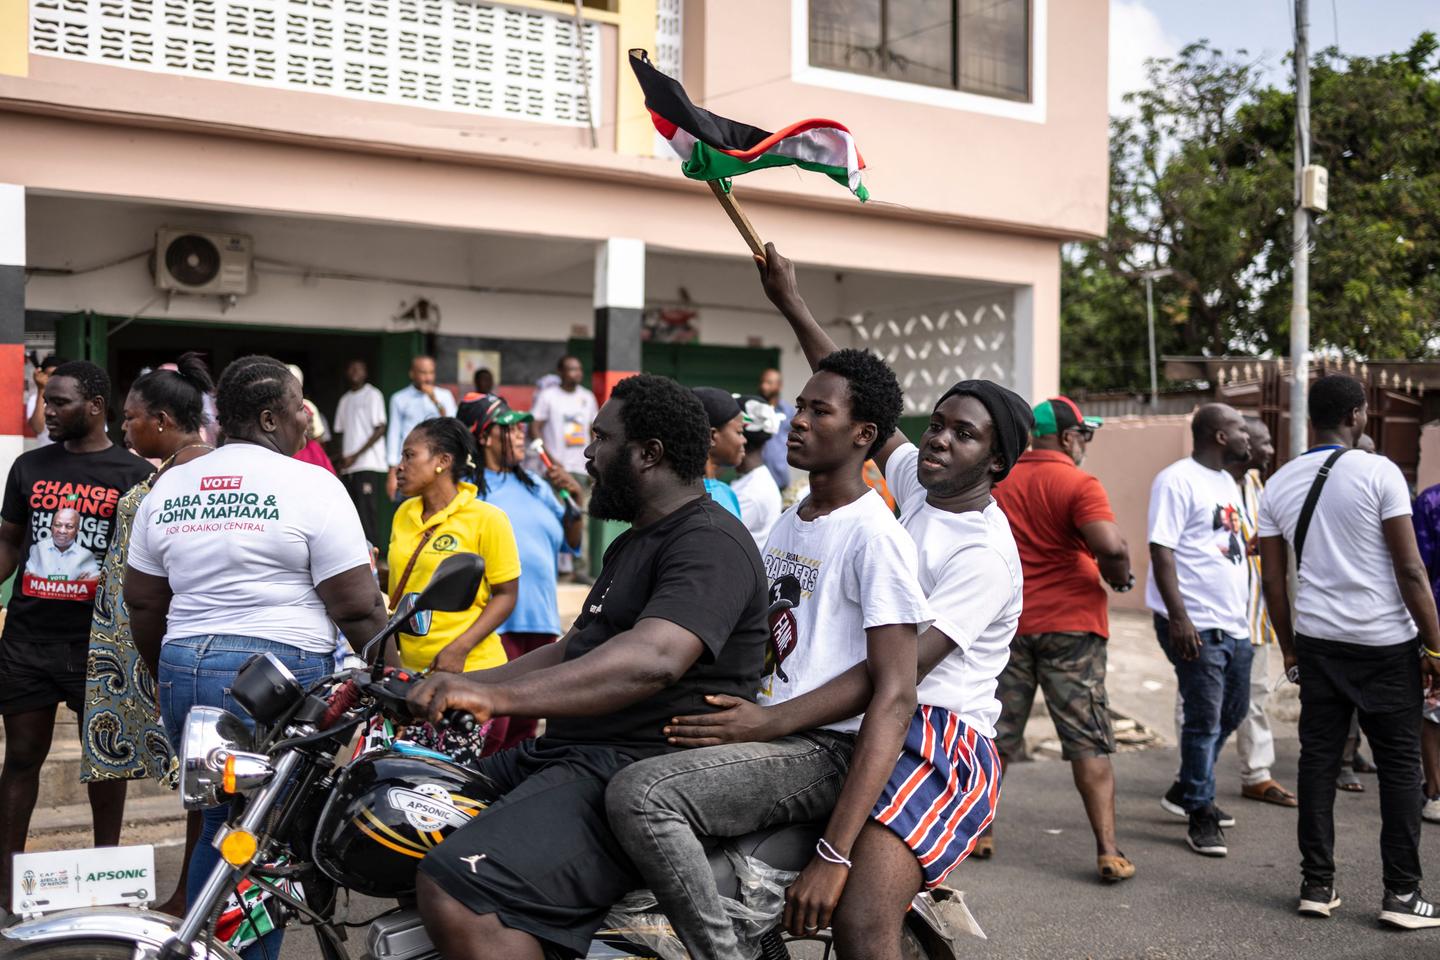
[[676, 569]]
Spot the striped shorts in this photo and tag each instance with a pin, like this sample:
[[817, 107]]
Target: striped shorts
[[943, 791]]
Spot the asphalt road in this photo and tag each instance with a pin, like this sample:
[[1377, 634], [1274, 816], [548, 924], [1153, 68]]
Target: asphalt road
[[1039, 898]]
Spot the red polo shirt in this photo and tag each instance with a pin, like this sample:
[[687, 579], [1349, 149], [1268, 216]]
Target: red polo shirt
[[1047, 500]]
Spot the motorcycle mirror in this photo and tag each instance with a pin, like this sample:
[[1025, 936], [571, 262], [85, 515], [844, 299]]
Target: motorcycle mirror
[[419, 623], [453, 585]]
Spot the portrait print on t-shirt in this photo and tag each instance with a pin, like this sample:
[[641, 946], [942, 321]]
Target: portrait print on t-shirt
[[70, 526], [1227, 518]]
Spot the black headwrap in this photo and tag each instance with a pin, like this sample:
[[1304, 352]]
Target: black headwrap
[[1011, 416], [720, 405]]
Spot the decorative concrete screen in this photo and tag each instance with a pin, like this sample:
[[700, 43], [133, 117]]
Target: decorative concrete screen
[[931, 349], [445, 54], [669, 59]]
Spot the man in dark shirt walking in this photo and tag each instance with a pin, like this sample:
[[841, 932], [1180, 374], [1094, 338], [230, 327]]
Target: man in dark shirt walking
[[1068, 542], [59, 500]]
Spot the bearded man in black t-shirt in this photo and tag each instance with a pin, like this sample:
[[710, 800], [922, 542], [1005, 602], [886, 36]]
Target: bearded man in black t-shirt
[[56, 523], [678, 612]]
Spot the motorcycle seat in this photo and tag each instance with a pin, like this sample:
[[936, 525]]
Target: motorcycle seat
[[789, 847]]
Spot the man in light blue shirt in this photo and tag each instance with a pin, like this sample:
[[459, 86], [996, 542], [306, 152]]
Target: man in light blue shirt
[[411, 406]]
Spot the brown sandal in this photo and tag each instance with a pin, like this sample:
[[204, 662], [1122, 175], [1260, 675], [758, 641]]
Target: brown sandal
[[984, 847], [1115, 868], [1270, 791]]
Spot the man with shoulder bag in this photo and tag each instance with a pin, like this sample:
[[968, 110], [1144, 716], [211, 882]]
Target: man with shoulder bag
[[1363, 639]]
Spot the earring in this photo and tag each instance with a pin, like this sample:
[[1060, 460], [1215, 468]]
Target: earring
[[439, 470], [160, 429]]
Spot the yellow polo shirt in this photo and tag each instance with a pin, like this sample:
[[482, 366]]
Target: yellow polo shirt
[[466, 525]]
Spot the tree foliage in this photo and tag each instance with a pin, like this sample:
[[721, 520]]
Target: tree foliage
[[1202, 182]]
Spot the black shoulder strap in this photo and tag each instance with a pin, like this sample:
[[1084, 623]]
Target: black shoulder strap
[[1302, 526]]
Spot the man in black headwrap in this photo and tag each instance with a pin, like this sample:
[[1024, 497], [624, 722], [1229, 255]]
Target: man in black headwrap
[[970, 571]]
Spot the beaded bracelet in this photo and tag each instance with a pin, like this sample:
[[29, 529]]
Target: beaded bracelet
[[829, 853]]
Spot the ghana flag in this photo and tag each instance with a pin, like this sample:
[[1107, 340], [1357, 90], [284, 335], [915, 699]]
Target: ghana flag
[[716, 148]]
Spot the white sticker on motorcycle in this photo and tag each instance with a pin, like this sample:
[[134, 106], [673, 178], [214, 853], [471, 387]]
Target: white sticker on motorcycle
[[427, 807]]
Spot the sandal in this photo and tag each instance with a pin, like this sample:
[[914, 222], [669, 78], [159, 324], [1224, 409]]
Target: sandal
[[1348, 782], [1270, 791], [984, 846], [1114, 868]]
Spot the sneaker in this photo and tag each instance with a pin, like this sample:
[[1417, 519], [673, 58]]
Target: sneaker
[[1431, 810], [1205, 836], [1317, 900], [1170, 803], [1410, 912]]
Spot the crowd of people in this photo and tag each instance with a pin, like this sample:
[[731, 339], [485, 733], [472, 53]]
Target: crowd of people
[[737, 664]]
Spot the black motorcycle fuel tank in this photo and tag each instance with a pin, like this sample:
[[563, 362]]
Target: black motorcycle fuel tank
[[387, 810]]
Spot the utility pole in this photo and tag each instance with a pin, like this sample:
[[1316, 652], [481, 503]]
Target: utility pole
[[1300, 245], [1150, 277]]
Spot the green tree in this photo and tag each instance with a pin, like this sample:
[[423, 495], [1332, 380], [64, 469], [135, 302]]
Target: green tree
[[1202, 183]]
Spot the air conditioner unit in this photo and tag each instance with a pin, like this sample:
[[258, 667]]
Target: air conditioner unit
[[191, 261]]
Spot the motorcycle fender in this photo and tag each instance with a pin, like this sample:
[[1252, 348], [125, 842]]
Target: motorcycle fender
[[146, 929], [934, 931]]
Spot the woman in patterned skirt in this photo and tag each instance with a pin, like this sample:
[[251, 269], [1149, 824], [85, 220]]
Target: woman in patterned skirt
[[122, 737]]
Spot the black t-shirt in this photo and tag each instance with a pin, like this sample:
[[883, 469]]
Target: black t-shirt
[[72, 496], [698, 568]]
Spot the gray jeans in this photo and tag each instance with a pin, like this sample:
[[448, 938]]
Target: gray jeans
[[661, 807]]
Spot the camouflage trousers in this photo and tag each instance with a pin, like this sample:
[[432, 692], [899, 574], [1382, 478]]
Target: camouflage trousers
[[1070, 669]]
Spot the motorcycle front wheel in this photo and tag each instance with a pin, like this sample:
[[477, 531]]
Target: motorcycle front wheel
[[92, 949]]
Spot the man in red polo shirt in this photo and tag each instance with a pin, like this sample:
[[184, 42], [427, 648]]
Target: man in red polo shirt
[[1068, 542]]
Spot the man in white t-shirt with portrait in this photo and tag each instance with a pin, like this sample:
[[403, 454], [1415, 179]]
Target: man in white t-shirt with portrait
[[1362, 639], [1198, 590]]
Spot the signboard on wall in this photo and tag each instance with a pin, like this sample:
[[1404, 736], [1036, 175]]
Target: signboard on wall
[[467, 362]]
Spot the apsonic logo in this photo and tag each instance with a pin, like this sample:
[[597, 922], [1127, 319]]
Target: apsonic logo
[[99, 875], [427, 807]]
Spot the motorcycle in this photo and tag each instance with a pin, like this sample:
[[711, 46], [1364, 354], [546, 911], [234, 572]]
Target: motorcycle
[[303, 827]]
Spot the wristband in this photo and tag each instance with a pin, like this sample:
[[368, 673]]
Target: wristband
[[1429, 653], [829, 853]]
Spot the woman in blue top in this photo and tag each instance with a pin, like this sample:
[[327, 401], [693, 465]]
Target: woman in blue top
[[543, 527]]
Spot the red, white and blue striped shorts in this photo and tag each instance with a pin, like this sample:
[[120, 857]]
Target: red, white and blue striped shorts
[[943, 791]]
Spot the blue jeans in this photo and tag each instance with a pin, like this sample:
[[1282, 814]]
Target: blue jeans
[[1216, 690], [198, 671]]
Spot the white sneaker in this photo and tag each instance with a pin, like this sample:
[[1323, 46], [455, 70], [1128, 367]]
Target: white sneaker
[[1431, 810]]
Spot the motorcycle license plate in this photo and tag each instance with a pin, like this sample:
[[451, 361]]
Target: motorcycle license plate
[[64, 879]]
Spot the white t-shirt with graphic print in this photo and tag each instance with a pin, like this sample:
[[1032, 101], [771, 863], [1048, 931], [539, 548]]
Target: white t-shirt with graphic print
[[244, 535], [852, 569], [1196, 512]]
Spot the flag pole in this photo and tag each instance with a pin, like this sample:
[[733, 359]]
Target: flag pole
[[737, 217]]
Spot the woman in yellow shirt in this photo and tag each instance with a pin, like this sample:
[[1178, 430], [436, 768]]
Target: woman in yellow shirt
[[443, 517]]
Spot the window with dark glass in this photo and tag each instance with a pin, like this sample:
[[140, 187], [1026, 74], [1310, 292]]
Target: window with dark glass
[[978, 46]]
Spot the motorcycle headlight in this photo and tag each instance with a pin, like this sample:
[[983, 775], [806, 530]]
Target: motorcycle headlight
[[211, 735]]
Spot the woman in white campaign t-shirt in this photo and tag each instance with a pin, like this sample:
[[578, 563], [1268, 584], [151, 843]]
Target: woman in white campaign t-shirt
[[245, 551]]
